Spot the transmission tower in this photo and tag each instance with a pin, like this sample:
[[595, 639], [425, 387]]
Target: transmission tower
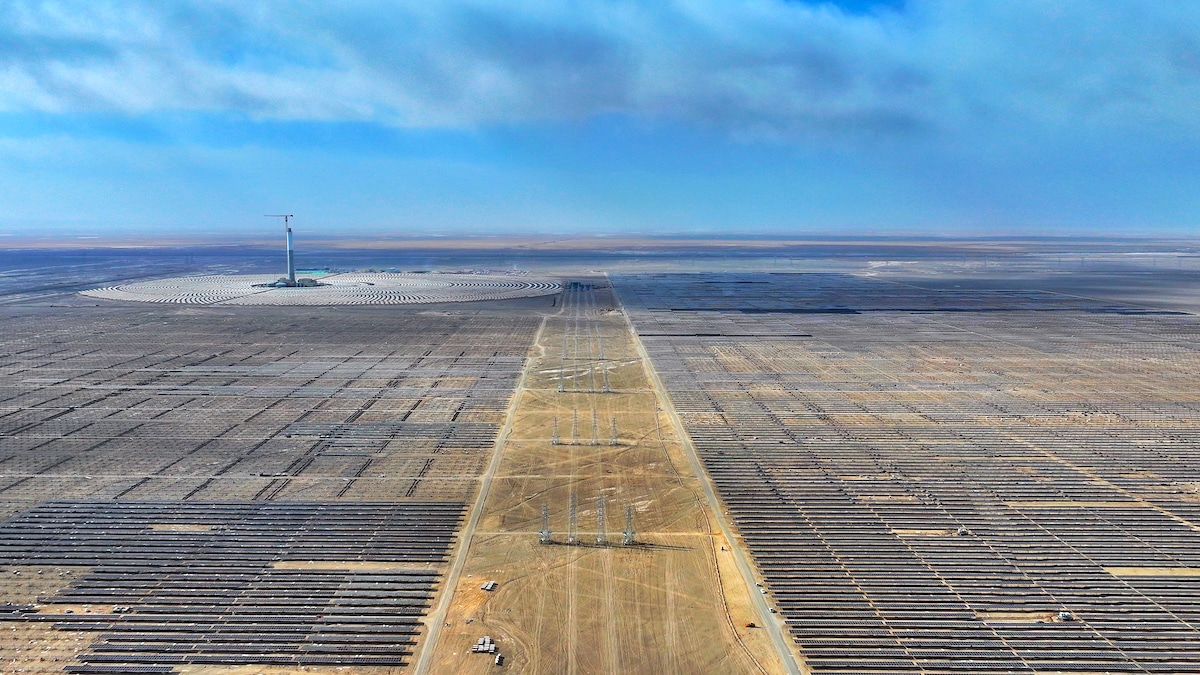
[[562, 369], [572, 521], [601, 529], [595, 427], [627, 538], [544, 533], [575, 365], [614, 439], [575, 426], [554, 436]]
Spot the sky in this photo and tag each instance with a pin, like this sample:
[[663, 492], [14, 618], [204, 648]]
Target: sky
[[571, 117]]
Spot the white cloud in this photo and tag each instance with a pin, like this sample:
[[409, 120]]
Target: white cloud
[[754, 67]]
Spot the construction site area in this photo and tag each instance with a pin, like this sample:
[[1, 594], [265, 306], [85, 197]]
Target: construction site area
[[635, 472]]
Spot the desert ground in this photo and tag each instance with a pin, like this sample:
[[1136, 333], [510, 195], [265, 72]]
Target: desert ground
[[825, 456], [588, 426]]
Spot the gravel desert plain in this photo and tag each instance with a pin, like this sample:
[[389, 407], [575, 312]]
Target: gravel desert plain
[[601, 455]]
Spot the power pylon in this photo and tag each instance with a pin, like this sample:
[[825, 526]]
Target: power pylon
[[544, 533], [572, 521], [601, 529]]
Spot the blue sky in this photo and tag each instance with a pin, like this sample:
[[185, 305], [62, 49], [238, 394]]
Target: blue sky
[[947, 117]]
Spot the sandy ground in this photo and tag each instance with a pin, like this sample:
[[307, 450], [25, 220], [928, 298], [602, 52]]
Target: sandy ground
[[32, 647], [672, 602]]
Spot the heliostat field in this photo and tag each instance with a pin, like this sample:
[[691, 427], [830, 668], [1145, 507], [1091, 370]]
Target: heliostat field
[[362, 288]]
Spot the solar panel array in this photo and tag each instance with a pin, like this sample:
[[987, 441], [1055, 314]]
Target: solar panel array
[[210, 583], [254, 486], [946, 481], [204, 404]]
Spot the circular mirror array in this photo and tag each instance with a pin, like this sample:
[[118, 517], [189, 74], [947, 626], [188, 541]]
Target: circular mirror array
[[357, 288]]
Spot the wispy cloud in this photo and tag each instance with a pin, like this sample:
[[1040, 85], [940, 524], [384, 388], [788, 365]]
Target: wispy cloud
[[936, 115], [763, 68]]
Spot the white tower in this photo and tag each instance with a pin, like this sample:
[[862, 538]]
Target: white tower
[[291, 262]]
